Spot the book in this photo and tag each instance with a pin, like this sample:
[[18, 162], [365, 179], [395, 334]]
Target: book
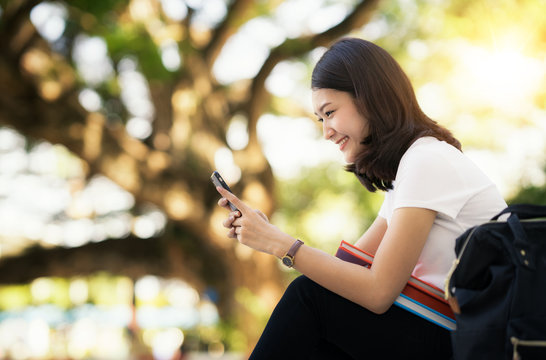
[[418, 296]]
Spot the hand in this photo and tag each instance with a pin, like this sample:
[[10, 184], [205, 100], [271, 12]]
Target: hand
[[223, 202], [252, 228]]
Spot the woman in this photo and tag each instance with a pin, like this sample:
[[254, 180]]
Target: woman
[[339, 310]]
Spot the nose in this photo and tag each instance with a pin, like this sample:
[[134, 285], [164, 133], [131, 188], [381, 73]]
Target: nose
[[327, 131]]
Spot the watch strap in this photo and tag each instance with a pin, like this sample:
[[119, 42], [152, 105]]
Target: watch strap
[[294, 248], [288, 259]]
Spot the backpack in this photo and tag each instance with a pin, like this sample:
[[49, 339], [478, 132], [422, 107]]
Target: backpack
[[497, 287]]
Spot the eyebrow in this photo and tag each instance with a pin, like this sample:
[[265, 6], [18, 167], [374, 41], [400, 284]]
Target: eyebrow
[[322, 107]]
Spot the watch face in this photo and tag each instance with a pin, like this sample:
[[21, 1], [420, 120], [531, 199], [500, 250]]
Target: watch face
[[287, 261]]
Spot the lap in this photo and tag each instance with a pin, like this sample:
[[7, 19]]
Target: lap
[[341, 324]]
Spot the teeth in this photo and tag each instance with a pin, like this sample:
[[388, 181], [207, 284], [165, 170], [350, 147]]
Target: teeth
[[343, 141]]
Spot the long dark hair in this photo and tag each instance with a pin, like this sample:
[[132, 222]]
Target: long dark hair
[[384, 95]]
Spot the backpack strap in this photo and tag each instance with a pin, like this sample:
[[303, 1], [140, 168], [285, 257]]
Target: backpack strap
[[524, 211]]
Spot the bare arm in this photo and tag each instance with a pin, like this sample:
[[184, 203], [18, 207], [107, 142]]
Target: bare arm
[[371, 239], [375, 288]]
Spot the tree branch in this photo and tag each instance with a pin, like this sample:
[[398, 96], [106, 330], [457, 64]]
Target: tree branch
[[233, 20], [291, 48]]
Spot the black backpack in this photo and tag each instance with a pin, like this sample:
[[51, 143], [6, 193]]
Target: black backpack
[[498, 287]]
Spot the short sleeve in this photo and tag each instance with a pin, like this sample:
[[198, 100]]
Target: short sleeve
[[436, 177]]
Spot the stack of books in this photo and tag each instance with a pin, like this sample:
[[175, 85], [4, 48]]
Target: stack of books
[[419, 297]]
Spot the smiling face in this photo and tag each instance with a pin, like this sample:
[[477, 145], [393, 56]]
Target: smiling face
[[342, 123]]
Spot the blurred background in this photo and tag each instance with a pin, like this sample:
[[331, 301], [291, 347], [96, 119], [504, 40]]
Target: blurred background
[[113, 114]]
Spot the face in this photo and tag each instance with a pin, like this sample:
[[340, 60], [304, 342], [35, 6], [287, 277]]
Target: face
[[342, 123]]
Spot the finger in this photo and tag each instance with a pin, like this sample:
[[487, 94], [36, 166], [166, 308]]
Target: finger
[[232, 234], [233, 199], [264, 216], [228, 222], [223, 202]]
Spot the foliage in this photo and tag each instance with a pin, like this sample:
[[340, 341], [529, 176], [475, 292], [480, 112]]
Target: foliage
[[530, 195], [476, 66], [130, 89], [325, 205]]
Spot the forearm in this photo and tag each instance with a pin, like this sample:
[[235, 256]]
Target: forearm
[[351, 281]]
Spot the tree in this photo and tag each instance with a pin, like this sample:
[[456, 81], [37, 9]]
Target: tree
[[40, 86]]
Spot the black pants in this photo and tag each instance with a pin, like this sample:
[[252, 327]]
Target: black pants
[[311, 322]]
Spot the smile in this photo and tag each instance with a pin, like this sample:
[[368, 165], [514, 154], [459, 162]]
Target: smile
[[342, 142]]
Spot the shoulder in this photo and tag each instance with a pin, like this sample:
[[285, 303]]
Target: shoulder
[[430, 148], [429, 155], [433, 168]]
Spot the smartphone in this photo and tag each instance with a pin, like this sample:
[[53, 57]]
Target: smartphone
[[217, 180]]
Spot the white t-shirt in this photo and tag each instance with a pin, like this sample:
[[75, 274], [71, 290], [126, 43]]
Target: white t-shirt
[[435, 175]]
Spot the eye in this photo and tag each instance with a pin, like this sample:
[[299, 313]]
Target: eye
[[327, 113]]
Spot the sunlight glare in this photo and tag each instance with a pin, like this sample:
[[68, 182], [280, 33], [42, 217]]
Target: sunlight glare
[[147, 288], [224, 163], [166, 342], [38, 334], [135, 95], [81, 338], [377, 28], [139, 128], [49, 18], [237, 132], [285, 78], [327, 16], [78, 291], [170, 56], [435, 101], [245, 52], [91, 57], [107, 196], [292, 143], [13, 162], [143, 227], [118, 225], [331, 219], [90, 100], [53, 234], [208, 313], [505, 79], [141, 10], [77, 232], [175, 9], [292, 15], [10, 140], [208, 13], [41, 289], [181, 294]]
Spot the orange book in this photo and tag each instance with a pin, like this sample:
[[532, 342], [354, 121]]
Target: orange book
[[419, 297]]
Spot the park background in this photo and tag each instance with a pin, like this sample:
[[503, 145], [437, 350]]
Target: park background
[[113, 114]]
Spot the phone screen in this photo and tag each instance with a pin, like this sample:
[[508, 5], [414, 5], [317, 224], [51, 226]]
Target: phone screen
[[217, 180]]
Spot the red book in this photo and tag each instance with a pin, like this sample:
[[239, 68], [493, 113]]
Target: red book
[[419, 297]]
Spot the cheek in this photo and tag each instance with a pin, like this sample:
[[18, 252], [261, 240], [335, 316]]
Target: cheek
[[364, 127], [365, 130]]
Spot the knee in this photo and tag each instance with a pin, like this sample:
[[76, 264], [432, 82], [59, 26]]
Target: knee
[[302, 287]]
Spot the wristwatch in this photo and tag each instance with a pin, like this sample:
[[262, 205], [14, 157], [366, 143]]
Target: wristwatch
[[288, 259]]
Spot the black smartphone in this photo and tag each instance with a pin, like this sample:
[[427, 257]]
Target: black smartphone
[[217, 180]]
